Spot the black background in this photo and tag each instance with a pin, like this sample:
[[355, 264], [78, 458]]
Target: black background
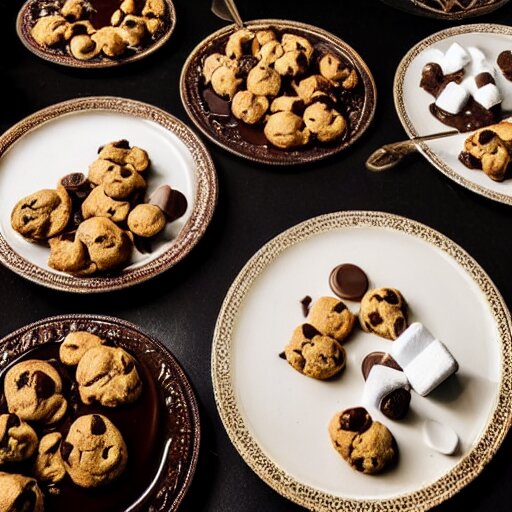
[[256, 203]]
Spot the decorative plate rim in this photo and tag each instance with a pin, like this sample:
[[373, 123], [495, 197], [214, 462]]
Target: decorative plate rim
[[68, 61], [398, 87], [171, 359], [204, 202], [370, 97], [268, 470], [437, 13]]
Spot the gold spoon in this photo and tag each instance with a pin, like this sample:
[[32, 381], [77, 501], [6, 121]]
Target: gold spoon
[[390, 155], [226, 10]]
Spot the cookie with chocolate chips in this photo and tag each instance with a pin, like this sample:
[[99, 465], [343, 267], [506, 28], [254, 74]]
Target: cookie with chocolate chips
[[331, 317], [94, 451], [18, 440], [108, 375], [49, 466], [383, 312], [313, 354], [76, 344], [367, 445], [18, 492], [33, 391]]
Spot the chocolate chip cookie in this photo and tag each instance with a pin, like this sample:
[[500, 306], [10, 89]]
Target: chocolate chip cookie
[[367, 445], [33, 391], [18, 492], [76, 344], [49, 466], [18, 440], [146, 220], [108, 375], [331, 317], [383, 312], [94, 451]]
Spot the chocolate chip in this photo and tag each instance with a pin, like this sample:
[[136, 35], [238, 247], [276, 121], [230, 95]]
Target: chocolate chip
[[121, 144], [23, 380], [54, 447], [306, 301], [282, 355], [484, 78], [396, 404], [12, 421], [74, 181], [172, 202], [375, 318], [105, 451], [44, 385], [71, 346], [399, 326], [339, 307], [381, 358], [378, 298], [98, 426], [25, 501], [125, 172], [486, 136], [129, 367], [470, 161], [358, 463], [356, 419], [391, 297], [309, 331], [65, 450]]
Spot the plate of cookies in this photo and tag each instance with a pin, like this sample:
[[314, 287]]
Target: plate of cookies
[[461, 78], [373, 386], [95, 33], [278, 92], [101, 193], [94, 415]]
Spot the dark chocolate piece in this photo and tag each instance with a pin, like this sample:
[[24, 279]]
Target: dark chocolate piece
[[504, 62], [75, 181], [434, 81], [382, 358], [305, 302], [172, 202], [470, 161], [356, 419], [348, 281], [483, 79], [309, 331]]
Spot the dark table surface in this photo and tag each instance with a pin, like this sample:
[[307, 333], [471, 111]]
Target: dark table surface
[[256, 203]]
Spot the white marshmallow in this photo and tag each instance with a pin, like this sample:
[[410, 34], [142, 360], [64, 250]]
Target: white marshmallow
[[440, 437], [411, 343], [452, 98], [479, 62], [381, 381], [488, 96], [455, 58], [430, 367]]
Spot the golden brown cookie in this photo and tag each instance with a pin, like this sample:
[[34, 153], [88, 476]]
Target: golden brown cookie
[[18, 440], [326, 123], [225, 81], [121, 153], [48, 466], [248, 107], [42, 214], [134, 28], [269, 53], [335, 70], [307, 87], [18, 492], [313, 354], [146, 220], [366, 445], [286, 130], [76, 344], [99, 204], [263, 81], [291, 63], [262, 37], [331, 317], [33, 391], [69, 255], [94, 451], [236, 42], [108, 246], [110, 40], [292, 42], [123, 182], [383, 312], [49, 30], [109, 376], [287, 104], [214, 61]]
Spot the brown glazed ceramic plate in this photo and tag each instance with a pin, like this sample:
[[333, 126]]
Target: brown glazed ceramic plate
[[59, 54], [224, 130], [42, 148], [156, 482]]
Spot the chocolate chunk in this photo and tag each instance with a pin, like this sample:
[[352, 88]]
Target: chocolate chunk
[[486, 136], [25, 501], [282, 355], [470, 161], [399, 326], [12, 421], [356, 419], [105, 451], [348, 281], [391, 297], [23, 380], [74, 181], [172, 202], [434, 81], [245, 64], [44, 385], [484, 78], [98, 426], [65, 450], [339, 307], [396, 404], [375, 318], [128, 368], [309, 331], [306, 301], [381, 358], [54, 447], [504, 62]]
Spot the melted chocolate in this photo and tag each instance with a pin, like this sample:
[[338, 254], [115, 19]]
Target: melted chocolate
[[504, 62], [102, 11], [470, 161], [137, 422], [472, 117], [434, 81]]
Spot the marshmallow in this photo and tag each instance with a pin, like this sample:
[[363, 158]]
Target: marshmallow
[[440, 437], [479, 62], [453, 98], [455, 58], [410, 343], [381, 381], [488, 96]]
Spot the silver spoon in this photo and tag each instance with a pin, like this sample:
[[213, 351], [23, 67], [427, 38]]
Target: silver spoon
[[226, 10], [390, 155]]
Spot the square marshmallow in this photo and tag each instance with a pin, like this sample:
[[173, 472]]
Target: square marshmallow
[[452, 98], [455, 58], [410, 343], [381, 381], [488, 96]]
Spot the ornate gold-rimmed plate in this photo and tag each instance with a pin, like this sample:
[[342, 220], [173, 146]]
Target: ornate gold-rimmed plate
[[64, 138], [60, 53], [224, 130], [412, 104], [277, 418], [163, 483]]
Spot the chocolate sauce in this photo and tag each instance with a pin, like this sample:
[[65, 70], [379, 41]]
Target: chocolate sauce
[[434, 81], [472, 116], [252, 134], [470, 161], [504, 62], [102, 11], [137, 422], [216, 105]]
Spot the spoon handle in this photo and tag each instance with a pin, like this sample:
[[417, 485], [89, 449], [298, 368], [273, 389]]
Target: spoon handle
[[390, 155], [227, 10]]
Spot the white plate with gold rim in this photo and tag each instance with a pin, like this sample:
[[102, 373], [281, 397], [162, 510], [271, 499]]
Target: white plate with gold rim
[[42, 148], [277, 418], [412, 104]]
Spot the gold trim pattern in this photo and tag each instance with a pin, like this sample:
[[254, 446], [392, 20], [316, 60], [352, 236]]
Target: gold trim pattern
[[204, 201], [398, 90], [428, 496]]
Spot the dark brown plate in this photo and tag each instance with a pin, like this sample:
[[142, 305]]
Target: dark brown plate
[[227, 134], [163, 487], [60, 56]]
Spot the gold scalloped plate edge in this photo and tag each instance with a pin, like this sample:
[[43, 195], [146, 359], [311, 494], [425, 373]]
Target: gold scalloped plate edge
[[411, 131], [205, 200], [69, 61], [470, 466], [419, 7], [300, 157]]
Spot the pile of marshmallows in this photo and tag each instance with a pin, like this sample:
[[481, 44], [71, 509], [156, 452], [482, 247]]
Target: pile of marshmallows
[[425, 361]]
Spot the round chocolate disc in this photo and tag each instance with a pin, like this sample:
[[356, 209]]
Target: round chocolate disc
[[348, 281]]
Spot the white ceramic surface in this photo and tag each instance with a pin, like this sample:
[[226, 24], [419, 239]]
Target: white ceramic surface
[[286, 413], [412, 103]]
